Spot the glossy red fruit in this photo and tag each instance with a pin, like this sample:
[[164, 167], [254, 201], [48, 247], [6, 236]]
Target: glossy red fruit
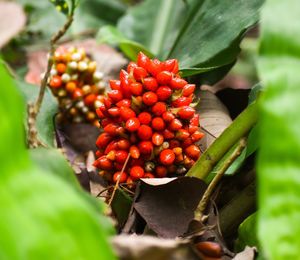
[[137, 162], [149, 98], [197, 136], [187, 142], [114, 111], [148, 175], [145, 147], [142, 60], [115, 95], [111, 129], [171, 65], [125, 83], [126, 113], [168, 116], [144, 132], [107, 102], [159, 108], [158, 124], [164, 77], [104, 163], [168, 134], [131, 66], [113, 145], [145, 118], [177, 83], [195, 120], [111, 155], [150, 84], [186, 112], [132, 124], [124, 103], [182, 134], [77, 93], [154, 67], [90, 99], [136, 88], [103, 140], [139, 73], [157, 139], [136, 172], [175, 125], [182, 101], [115, 84], [55, 82], [121, 176], [121, 156], [193, 151], [163, 93], [123, 144], [167, 157], [161, 171], [192, 128], [134, 152], [188, 89]]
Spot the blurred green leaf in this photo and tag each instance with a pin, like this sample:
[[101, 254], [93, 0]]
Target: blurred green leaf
[[42, 217], [278, 161], [45, 117], [247, 233]]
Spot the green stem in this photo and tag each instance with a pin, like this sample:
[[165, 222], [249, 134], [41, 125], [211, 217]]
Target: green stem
[[239, 128]]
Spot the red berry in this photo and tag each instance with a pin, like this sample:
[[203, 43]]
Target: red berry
[[148, 175], [177, 83], [134, 152], [171, 65], [139, 73], [196, 136], [158, 124], [168, 116], [126, 113], [192, 128], [132, 124], [136, 88], [149, 98], [113, 145], [103, 140], [122, 176], [182, 101], [168, 134], [195, 120], [104, 163], [154, 67], [150, 84], [174, 143], [163, 93], [142, 60], [159, 108], [125, 83], [124, 103], [161, 171], [136, 172], [193, 151], [90, 99], [186, 112], [144, 132], [77, 93], [145, 147], [157, 139], [107, 102], [187, 142], [61, 68], [182, 134], [145, 118], [55, 82], [188, 89], [115, 84], [164, 77], [121, 156], [131, 66], [123, 144], [175, 125], [167, 157], [114, 111], [111, 129], [115, 95]]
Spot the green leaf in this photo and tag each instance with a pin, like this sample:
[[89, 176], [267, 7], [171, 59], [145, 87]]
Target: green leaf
[[247, 233], [278, 161], [42, 217], [45, 117]]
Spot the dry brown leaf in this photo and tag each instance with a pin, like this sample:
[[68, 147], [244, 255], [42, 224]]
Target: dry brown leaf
[[109, 61], [214, 117], [12, 21]]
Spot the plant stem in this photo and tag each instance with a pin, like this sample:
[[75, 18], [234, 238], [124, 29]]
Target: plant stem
[[211, 187], [239, 128], [34, 109]]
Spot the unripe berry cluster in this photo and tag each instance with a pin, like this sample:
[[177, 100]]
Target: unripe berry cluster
[[77, 84], [148, 120]]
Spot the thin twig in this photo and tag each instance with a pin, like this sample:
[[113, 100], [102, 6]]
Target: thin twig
[[118, 180], [208, 132], [34, 109], [211, 187]]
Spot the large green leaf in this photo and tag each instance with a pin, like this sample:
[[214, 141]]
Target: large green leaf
[[279, 157], [202, 34], [45, 117], [42, 217]]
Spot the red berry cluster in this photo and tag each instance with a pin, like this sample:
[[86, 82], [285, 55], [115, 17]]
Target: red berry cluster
[[149, 120], [77, 85]]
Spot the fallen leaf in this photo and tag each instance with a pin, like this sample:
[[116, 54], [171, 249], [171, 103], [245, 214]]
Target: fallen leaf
[[12, 21]]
